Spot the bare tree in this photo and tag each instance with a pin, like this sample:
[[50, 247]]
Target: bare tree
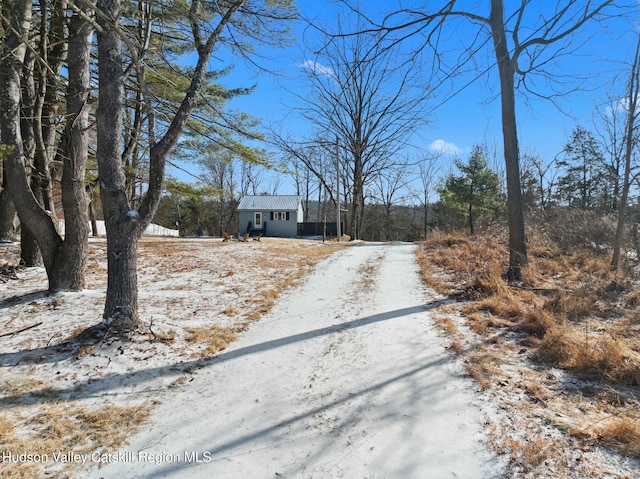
[[317, 157], [366, 95], [632, 111], [541, 178], [386, 191], [220, 173], [611, 134], [428, 168], [524, 42]]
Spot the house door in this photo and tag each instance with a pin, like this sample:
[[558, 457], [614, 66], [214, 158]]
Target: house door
[[257, 220]]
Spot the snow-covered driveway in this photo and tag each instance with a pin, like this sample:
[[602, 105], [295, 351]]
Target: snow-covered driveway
[[346, 377]]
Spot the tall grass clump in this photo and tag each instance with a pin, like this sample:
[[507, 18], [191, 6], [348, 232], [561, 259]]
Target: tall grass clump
[[569, 312]]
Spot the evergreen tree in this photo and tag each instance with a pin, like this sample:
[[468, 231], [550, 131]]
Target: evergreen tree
[[586, 183], [189, 208], [476, 191]]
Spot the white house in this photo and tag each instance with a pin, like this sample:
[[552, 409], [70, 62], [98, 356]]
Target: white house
[[270, 215]]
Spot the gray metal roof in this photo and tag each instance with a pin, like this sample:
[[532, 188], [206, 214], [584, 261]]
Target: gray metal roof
[[270, 203]]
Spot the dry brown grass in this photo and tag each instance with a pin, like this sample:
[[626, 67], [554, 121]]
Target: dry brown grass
[[473, 259], [19, 471], [211, 340], [64, 427], [456, 347], [483, 366], [527, 455], [111, 426], [537, 392], [84, 351], [569, 312], [447, 324], [590, 353], [20, 386], [537, 322], [167, 336], [543, 308], [574, 305], [623, 434]]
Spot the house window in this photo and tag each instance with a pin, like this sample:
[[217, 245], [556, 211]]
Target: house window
[[280, 215]]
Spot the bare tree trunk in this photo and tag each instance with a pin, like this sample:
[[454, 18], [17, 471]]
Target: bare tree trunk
[[121, 306], [357, 207], [515, 213], [7, 214], [32, 217], [71, 269], [93, 220], [58, 256], [632, 114], [123, 232], [125, 225], [29, 249]]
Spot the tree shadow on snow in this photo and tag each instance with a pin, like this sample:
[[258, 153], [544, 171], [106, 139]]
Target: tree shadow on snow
[[104, 385], [23, 299]]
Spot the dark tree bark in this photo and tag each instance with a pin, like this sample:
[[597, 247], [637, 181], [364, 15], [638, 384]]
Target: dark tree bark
[[29, 250], [7, 210], [74, 250], [124, 224], [93, 219], [357, 207], [123, 227], [63, 260], [7, 216], [515, 211]]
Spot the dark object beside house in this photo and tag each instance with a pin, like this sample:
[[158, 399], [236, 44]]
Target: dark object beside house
[[328, 229], [257, 231]]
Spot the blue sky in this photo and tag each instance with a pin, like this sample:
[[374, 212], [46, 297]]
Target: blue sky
[[473, 115]]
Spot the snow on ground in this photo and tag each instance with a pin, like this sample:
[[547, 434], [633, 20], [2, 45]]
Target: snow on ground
[[185, 285], [345, 377], [151, 230]]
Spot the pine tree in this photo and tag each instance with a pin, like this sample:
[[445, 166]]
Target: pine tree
[[585, 183], [476, 191]]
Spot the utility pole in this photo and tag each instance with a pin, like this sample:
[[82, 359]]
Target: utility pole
[[338, 188]]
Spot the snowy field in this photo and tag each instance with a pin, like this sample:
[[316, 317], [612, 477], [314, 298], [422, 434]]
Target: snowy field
[[345, 377], [278, 358]]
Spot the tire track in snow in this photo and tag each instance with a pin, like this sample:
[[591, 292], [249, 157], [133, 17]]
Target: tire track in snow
[[335, 382]]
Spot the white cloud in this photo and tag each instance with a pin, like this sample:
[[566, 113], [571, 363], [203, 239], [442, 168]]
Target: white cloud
[[317, 67], [441, 146], [620, 106]]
